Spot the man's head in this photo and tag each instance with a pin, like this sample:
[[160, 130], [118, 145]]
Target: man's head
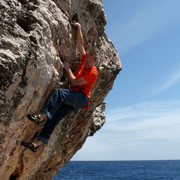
[[90, 60]]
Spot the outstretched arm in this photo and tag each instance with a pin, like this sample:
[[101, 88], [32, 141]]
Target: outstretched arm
[[80, 40]]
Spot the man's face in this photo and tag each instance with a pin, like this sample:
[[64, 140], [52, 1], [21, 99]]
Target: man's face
[[89, 61]]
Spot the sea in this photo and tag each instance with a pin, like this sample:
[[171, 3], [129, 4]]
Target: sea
[[120, 170]]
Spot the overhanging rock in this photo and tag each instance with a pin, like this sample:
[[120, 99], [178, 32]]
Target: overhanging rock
[[35, 38]]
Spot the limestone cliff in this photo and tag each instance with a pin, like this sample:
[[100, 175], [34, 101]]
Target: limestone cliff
[[35, 38]]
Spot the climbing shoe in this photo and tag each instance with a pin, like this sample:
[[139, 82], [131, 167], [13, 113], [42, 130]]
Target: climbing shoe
[[30, 145], [34, 118]]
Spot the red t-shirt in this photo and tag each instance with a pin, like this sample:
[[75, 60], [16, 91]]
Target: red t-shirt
[[89, 75]]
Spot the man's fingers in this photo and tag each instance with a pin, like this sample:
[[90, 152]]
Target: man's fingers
[[74, 23], [66, 65]]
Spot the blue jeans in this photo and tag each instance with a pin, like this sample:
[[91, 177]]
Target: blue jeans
[[61, 103]]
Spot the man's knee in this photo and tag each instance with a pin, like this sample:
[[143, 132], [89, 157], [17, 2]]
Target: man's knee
[[61, 93], [58, 92]]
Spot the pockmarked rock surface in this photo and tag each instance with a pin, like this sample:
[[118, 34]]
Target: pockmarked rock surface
[[35, 39]]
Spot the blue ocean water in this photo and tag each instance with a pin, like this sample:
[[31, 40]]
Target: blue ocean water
[[120, 170]]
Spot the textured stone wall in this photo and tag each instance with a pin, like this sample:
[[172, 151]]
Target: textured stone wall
[[35, 38]]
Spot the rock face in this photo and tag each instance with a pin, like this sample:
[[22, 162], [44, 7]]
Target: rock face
[[35, 38]]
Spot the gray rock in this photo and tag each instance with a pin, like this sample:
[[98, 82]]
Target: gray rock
[[35, 38]]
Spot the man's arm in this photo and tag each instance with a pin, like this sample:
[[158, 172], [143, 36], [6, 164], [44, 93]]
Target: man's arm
[[80, 40], [73, 80]]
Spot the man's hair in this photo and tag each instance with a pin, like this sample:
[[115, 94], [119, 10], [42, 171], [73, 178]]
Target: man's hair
[[92, 53]]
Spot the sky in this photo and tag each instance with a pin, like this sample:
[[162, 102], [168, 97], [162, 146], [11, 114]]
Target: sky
[[143, 108]]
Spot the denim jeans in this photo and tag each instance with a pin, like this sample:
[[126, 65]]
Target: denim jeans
[[61, 103]]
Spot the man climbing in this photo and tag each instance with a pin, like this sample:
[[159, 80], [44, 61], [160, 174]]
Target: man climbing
[[63, 101]]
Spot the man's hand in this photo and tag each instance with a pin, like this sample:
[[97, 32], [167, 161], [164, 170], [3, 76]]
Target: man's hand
[[73, 80], [74, 23], [66, 66]]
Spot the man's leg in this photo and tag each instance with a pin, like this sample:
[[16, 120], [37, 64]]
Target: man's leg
[[73, 100], [53, 122], [70, 99], [55, 102], [48, 128], [65, 96], [52, 105]]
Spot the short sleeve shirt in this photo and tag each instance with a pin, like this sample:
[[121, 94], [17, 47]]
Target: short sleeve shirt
[[89, 75]]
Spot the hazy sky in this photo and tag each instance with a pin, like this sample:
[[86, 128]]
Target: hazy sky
[[143, 109]]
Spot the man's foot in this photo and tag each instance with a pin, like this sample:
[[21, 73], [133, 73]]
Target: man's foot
[[34, 118], [30, 145]]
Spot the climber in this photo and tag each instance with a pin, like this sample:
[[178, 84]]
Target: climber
[[63, 101]]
